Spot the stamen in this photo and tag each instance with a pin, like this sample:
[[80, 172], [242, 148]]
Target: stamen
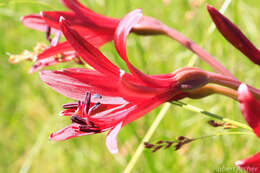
[[48, 33], [85, 128], [70, 105], [79, 103], [77, 119], [92, 124], [94, 107], [86, 103], [97, 96]]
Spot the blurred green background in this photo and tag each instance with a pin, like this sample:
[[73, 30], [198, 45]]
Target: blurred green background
[[29, 109]]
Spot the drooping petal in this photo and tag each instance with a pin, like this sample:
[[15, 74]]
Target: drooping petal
[[88, 52], [89, 15], [35, 21], [251, 164], [69, 132], [75, 84], [250, 108], [111, 140], [233, 34], [121, 33], [85, 28]]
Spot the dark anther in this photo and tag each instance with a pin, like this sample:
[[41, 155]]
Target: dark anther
[[92, 124], [85, 128], [70, 105], [97, 96], [86, 103], [94, 107], [77, 119], [48, 33]]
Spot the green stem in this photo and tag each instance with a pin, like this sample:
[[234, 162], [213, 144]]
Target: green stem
[[211, 115], [225, 133]]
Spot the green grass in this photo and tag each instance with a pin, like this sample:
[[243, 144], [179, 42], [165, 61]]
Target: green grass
[[29, 109]]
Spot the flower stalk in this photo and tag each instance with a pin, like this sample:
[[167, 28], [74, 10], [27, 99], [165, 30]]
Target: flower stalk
[[210, 115]]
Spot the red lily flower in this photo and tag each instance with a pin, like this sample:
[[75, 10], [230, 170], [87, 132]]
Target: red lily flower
[[250, 108], [125, 97], [251, 164], [96, 28], [233, 34]]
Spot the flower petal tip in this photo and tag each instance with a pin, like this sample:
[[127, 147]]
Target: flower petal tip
[[52, 137], [111, 141], [243, 92], [209, 7], [239, 163]]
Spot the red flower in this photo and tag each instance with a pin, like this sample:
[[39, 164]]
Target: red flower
[[125, 97], [250, 108], [95, 28], [233, 34], [251, 164]]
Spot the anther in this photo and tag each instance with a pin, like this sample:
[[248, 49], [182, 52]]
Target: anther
[[85, 128], [70, 105], [77, 119], [48, 33], [86, 103], [94, 107], [97, 96], [92, 124]]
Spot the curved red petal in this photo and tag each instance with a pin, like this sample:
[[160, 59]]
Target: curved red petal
[[68, 132], [88, 52], [34, 21], [250, 164], [250, 108], [89, 15], [82, 26], [121, 33], [233, 34], [76, 85], [111, 141]]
